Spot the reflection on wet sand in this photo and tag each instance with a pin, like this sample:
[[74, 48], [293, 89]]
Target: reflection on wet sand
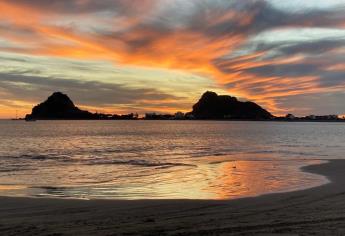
[[11, 187], [222, 180], [251, 178]]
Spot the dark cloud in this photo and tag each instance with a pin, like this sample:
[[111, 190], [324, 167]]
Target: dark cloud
[[208, 18], [86, 6], [266, 16], [312, 47], [285, 70], [286, 48], [33, 88], [253, 17], [317, 104], [333, 78], [324, 78], [311, 70]]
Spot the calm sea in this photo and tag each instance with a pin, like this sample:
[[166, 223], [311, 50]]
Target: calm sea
[[162, 159]]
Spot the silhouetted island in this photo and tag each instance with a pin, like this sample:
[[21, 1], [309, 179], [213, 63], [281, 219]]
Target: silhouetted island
[[59, 106], [210, 106], [214, 106]]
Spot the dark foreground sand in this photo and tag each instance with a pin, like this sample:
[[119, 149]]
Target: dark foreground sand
[[319, 211]]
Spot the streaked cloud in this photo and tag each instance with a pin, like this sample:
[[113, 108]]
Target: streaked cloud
[[33, 88], [267, 51]]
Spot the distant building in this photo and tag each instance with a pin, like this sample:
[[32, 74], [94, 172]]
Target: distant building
[[327, 117], [189, 116], [311, 117], [333, 117], [154, 116], [290, 117], [179, 115], [150, 115]]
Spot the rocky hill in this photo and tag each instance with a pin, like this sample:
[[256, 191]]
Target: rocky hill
[[58, 106], [214, 106]]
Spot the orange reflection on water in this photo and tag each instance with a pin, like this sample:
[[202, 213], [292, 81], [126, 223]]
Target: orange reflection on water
[[251, 178], [11, 187]]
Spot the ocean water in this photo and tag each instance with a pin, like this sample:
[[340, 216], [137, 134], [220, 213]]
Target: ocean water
[[162, 159]]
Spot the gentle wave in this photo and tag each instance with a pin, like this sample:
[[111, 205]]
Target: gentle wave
[[150, 159], [137, 163], [97, 161]]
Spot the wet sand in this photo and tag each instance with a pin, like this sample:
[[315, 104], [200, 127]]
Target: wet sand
[[315, 211]]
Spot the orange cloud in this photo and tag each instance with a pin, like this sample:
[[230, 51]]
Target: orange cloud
[[141, 41]]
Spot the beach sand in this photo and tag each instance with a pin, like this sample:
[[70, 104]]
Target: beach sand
[[316, 211]]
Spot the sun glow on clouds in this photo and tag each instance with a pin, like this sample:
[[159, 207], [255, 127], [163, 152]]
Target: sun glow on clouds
[[258, 50]]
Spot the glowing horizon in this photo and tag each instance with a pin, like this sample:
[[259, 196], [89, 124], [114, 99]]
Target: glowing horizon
[[161, 55]]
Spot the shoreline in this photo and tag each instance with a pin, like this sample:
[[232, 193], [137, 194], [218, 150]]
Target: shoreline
[[141, 119], [319, 210], [317, 180]]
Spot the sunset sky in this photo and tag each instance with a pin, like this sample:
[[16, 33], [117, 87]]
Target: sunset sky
[[142, 56]]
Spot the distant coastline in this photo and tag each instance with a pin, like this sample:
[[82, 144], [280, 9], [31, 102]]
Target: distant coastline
[[210, 106], [279, 119]]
